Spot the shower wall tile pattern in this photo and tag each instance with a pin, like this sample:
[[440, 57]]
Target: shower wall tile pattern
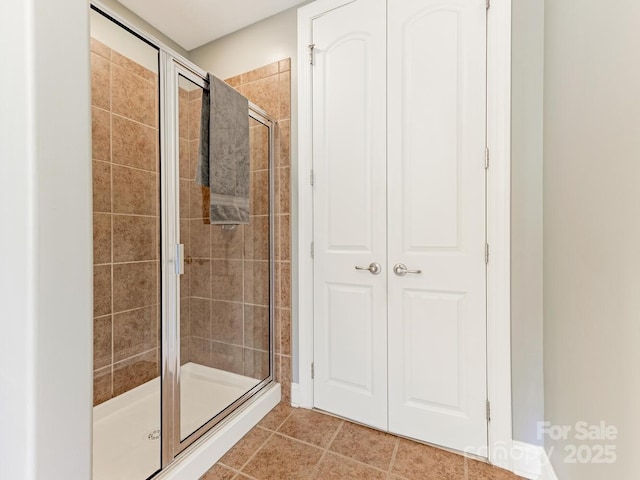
[[225, 293], [269, 87], [125, 223], [224, 311]]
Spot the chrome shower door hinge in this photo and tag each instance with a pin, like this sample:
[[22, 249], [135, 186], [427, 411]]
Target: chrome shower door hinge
[[488, 411]]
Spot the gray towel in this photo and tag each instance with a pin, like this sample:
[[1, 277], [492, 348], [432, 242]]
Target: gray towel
[[223, 160]]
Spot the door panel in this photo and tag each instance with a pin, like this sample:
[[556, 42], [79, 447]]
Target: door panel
[[349, 156], [419, 202], [350, 309], [436, 204], [429, 127], [346, 167], [427, 312]]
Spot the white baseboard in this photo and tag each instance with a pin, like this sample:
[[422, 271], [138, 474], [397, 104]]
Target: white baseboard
[[527, 460], [532, 462], [295, 395], [548, 473]]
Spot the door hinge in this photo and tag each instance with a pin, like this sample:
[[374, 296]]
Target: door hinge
[[486, 253], [488, 4], [488, 411], [311, 250], [313, 372], [486, 158], [311, 177], [312, 59]]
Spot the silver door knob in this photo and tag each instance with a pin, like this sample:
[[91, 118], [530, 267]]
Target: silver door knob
[[400, 269], [374, 268]]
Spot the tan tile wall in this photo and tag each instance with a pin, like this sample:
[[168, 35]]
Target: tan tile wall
[[126, 223], [269, 87], [226, 287], [224, 313], [225, 291]]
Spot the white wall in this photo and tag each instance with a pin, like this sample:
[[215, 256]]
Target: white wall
[[252, 47], [526, 218], [45, 246], [592, 227]]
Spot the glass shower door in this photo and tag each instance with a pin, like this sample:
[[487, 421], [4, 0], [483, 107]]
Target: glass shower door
[[177, 348], [126, 205], [225, 313]]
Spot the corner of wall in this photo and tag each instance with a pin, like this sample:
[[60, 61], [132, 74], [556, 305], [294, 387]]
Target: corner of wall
[[527, 219]]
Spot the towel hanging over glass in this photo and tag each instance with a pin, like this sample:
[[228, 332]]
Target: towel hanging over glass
[[224, 153]]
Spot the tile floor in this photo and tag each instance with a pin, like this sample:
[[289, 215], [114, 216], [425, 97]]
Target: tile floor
[[294, 443]]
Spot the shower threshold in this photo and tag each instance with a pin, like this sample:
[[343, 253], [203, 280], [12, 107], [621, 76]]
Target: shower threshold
[[126, 429]]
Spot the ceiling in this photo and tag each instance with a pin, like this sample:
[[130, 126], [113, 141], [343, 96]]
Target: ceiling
[[192, 23]]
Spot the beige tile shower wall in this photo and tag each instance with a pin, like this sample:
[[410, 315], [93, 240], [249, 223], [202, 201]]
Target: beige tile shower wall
[[126, 223], [225, 292], [269, 87]]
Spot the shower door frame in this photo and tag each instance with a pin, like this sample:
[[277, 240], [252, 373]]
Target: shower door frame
[[171, 64], [171, 68]]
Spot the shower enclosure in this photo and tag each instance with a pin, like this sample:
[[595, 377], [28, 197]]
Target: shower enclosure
[[183, 310]]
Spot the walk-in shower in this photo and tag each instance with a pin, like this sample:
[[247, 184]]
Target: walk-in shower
[[183, 310]]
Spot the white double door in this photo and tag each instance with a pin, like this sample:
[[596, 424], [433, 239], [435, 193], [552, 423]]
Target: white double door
[[399, 104]]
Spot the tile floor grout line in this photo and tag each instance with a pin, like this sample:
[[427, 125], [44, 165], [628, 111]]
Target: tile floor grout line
[[359, 462], [335, 435], [225, 465], [282, 422], [244, 475], [316, 468], [301, 441], [256, 452], [304, 442], [235, 471], [393, 455], [239, 470]]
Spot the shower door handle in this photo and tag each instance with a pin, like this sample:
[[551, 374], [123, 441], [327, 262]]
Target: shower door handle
[[374, 268], [180, 259]]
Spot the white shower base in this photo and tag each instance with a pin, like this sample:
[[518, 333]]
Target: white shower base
[[126, 444]]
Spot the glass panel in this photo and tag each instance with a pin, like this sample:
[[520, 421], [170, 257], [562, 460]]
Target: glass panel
[[126, 205], [224, 293]]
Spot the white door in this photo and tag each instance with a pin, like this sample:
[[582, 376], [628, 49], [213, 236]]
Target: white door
[[436, 224], [399, 179], [349, 163]]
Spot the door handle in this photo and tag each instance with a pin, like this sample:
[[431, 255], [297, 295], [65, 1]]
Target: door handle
[[400, 269], [374, 268], [180, 259]]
